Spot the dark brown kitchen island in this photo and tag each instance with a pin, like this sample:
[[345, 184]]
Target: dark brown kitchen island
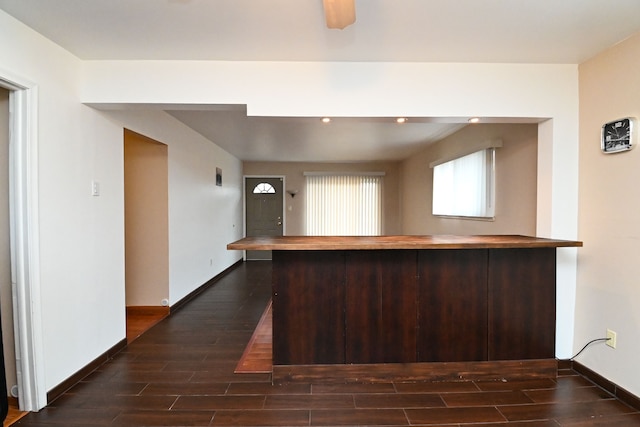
[[457, 305]]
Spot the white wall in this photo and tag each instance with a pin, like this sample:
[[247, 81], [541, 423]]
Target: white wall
[[203, 218], [389, 90], [608, 294], [82, 236], [81, 245]]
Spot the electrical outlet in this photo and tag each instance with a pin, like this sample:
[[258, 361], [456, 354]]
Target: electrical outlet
[[611, 338]]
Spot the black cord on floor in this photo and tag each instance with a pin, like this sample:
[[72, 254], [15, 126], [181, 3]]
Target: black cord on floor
[[585, 346]]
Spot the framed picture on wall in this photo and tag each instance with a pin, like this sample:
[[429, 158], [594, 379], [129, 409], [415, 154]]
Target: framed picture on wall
[[219, 177]]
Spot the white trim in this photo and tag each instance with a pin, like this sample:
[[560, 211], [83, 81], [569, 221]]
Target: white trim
[[25, 254]]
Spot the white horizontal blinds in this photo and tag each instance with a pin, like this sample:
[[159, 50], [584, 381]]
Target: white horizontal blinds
[[463, 187], [343, 205]]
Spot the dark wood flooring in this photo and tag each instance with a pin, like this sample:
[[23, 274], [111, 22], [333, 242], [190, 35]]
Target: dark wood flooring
[[181, 373], [257, 357], [13, 415], [141, 319]]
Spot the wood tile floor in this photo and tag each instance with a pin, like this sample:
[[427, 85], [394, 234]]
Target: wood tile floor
[[139, 321], [181, 373], [257, 356], [13, 415]]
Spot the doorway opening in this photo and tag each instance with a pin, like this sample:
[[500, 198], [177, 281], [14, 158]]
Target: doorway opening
[[24, 243], [8, 356], [264, 210], [146, 201]]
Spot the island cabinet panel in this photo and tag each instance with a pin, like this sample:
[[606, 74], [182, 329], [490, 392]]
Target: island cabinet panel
[[308, 307], [381, 306], [522, 303], [452, 305], [340, 300]]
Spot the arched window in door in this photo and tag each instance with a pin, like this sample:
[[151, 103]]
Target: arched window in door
[[264, 188]]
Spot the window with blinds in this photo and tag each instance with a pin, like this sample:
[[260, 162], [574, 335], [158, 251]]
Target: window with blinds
[[465, 187], [344, 204]]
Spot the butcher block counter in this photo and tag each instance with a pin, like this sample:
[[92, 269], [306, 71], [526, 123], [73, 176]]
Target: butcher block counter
[[365, 301], [307, 243]]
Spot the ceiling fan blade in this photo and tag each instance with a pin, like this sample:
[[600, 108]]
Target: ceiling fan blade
[[339, 13]]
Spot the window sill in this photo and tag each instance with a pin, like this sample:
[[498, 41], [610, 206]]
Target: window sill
[[468, 218]]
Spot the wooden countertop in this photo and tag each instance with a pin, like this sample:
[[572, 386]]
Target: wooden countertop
[[310, 243]]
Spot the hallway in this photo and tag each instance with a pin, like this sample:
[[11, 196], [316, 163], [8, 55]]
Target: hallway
[[181, 373]]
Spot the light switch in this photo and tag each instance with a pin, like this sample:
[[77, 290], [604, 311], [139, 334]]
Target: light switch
[[95, 188]]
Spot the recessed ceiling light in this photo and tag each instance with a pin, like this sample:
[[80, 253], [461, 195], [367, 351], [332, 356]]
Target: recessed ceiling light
[[401, 120], [326, 119], [474, 119]]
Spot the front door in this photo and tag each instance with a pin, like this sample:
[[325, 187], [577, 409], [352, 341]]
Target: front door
[[263, 198]]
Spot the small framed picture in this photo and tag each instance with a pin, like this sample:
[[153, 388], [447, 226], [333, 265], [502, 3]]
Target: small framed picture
[[219, 177]]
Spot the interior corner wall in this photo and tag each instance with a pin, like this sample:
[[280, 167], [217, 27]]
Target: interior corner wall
[[203, 217], [608, 289]]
